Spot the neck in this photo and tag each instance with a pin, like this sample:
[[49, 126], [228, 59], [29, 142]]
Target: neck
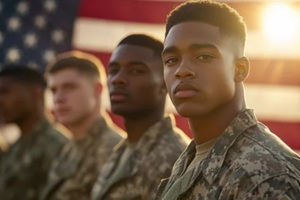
[[136, 127], [80, 129], [212, 125]]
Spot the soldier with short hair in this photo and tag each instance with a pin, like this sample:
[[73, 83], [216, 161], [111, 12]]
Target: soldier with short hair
[[77, 81], [24, 167], [138, 94], [232, 155]]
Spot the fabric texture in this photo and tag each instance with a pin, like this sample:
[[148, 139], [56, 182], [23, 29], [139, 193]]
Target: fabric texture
[[151, 160], [246, 162], [75, 171], [24, 167]]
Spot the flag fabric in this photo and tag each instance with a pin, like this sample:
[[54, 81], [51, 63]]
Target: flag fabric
[[272, 89], [33, 32]]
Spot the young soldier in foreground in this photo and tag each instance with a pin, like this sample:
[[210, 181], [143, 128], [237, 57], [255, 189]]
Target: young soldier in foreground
[[137, 93], [232, 156], [77, 81]]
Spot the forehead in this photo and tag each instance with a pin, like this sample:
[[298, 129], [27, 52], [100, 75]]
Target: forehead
[[8, 81], [64, 76], [183, 35], [127, 53], [187, 33], [17, 89]]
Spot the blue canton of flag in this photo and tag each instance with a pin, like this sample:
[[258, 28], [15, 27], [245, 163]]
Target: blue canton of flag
[[32, 32]]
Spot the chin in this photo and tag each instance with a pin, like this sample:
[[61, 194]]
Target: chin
[[190, 111], [64, 121], [120, 112], [187, 113]]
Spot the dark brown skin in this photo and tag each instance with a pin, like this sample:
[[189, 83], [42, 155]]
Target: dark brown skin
[[137, 89], [204, 71], [20, 103]]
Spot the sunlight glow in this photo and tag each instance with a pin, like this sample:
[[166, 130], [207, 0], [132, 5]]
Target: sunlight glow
[[281, 23]]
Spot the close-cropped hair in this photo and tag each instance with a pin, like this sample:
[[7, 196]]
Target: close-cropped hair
[[144, 40], [84, 63], [24, 75], [211, 12]]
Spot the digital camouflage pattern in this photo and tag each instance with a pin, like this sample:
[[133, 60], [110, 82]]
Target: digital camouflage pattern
[[247, 162], [75, 171], [24, 167], [151, 160]]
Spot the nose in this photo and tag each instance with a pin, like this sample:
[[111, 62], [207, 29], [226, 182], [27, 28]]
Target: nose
[[118, 78], [184, 69], [58, 97]]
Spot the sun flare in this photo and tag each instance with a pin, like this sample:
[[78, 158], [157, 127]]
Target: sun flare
[[281, 23]]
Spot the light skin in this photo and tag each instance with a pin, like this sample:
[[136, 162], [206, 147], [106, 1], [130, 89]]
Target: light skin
[[136, 87], [76, 99], [204, 71], [20, 103]]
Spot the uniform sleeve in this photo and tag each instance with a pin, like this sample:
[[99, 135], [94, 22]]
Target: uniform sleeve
[[290, 194], [282, 187]]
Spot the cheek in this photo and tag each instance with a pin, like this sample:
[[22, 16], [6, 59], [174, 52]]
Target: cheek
[[168, 77], [225, 85], [86, 99]]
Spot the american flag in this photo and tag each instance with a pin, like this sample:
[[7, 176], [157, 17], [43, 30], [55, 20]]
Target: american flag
[[34, 31]]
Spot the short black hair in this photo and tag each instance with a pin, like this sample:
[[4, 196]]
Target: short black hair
[[24, 74], [208, 11], [144, 40], [85, 63]]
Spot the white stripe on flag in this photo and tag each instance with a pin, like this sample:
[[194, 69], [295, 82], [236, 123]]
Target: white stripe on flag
[[103, 35]]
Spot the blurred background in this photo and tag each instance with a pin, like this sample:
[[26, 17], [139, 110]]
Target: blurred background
[[33, 32]]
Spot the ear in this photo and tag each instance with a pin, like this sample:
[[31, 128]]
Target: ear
[[98, 88], [242, 69]]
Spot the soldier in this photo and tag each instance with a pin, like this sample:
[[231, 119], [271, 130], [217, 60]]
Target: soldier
[[138, 94], [232, 156], [24, 167], [77, 81]]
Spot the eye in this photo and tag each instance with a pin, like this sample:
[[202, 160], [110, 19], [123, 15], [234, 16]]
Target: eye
[[70, 87], [136, 71], [53, 90], [204, 57], [112, 70], [170, 61]]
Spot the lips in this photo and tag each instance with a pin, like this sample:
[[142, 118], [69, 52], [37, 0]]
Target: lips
[[62, 111], [118, 95], [185, 90]]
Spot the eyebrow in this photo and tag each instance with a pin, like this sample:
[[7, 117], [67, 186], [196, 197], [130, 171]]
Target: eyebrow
[[173, 49], [170, 49], [128, 64], [202, 46]]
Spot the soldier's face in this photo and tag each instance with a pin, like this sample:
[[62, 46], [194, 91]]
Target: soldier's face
[[16, 101], [135, 81], [74, 96], [199, 68]]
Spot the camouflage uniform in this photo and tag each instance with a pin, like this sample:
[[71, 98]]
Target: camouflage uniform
[[246, 162], [151, 160], [75, 171], [24, 167]]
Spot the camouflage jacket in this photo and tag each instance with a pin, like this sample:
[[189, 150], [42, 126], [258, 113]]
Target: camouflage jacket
[[246, 162], [151, 160], [24, 167], [76, 169]]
